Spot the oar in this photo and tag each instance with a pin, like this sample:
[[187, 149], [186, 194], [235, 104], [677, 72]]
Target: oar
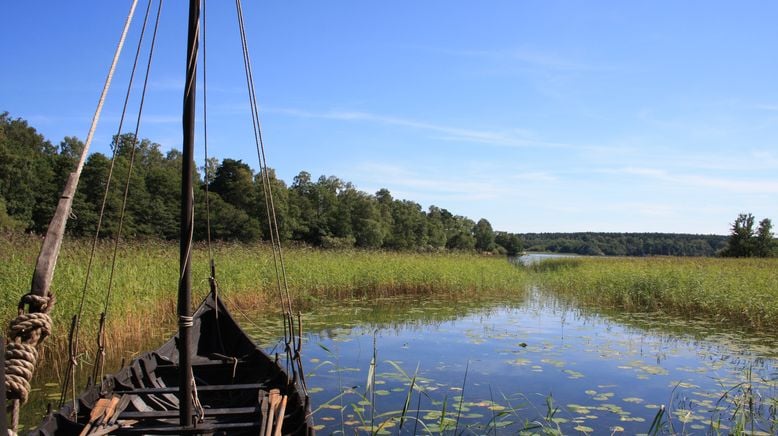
[[109, 411], [280, 416], [97, 412], [263, 408], [274, 400]]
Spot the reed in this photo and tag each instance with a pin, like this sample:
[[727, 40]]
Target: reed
[[145, 281], [735, 291]]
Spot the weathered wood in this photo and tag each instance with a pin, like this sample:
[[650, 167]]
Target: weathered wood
[[3, 417], [47, 259], [157, 414], [274, 398], [205, 388], [96, 414], [200, 429], [280, 416]]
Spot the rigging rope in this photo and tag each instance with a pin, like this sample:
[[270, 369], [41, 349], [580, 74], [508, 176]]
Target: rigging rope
[[293, 340], [135, 145], [23, 341], [101, 215]]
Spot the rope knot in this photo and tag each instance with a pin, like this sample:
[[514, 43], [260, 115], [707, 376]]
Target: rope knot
[[25, 333], [37, 303], [30, 328]]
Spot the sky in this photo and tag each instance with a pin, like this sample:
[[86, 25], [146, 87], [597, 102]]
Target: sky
[[540, 116]]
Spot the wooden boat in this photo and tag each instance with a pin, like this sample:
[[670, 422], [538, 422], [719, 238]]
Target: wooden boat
[[235, 383], [210, 378]]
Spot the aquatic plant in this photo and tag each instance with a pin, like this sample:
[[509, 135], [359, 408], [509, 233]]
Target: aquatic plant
[[734, 291]]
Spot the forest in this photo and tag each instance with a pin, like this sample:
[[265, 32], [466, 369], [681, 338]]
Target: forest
[[626, 244], [324, 212]]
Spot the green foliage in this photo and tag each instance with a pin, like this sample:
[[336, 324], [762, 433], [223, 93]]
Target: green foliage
[[510, 242], [745, 242], [484, 235], [29, 185], [740, 291], [328, 212], [625, 244], [146, 276]]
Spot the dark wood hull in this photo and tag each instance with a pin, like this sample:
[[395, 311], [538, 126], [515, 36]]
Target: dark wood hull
[[231, 373]]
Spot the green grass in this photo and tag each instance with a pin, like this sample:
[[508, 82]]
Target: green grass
[[145, 280], [736, 291]]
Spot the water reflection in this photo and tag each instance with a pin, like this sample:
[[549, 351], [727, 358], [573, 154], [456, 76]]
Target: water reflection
[[497, 365], [506, 363]]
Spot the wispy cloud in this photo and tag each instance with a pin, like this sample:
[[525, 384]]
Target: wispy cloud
[[508, 138], [727, 184], [431, 186], [536, 58]]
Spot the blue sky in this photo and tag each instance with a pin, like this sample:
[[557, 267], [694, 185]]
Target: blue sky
[[656, 116]]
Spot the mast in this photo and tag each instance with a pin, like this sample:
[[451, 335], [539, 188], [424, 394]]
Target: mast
[[187, 212]]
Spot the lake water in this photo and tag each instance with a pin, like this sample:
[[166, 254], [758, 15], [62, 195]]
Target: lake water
[[531, 258], [532, 363]]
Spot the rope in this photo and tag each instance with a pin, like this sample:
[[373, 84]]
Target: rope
[[109, 292], [292, 347], [205, 144], [199, 410], [25, 333], [101, 215]]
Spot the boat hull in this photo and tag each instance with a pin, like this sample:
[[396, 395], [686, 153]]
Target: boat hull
[[235, 382]]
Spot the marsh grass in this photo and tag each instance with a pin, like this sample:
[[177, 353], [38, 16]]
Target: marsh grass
[[734, 291], [145, 282]]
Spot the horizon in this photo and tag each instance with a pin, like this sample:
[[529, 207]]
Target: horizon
[[541, 118]]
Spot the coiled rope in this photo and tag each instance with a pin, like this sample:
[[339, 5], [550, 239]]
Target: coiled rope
[[25, 333]]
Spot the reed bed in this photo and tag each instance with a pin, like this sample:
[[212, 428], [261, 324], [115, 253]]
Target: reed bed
[[736, 291], [145, 281]]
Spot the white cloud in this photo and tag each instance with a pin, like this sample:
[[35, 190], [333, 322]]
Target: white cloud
[[727, 184], [508, 138], [432, 186]]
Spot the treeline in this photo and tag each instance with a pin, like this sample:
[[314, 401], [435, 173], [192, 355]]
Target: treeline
[[326, 212], [626, 244]]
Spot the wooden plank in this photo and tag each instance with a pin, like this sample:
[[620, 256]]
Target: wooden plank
[[205, 388], [158, 414], [203, 428]]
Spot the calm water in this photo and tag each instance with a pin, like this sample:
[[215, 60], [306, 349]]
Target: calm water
[[532, 257], [503, 367], [482, 366]]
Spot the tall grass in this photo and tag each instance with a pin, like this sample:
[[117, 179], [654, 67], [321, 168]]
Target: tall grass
[[146, 273], [737, 291]]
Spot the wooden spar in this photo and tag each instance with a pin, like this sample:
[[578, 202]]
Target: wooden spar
[[187, 172], [47, 259]]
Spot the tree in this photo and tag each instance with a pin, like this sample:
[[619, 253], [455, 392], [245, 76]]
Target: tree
[[436, 231], [484, 235], [744, 242], [234, 182], [27, 174], [510, 242], [765, 240]]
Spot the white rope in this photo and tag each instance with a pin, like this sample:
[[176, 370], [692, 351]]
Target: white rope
[[107, 85]]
